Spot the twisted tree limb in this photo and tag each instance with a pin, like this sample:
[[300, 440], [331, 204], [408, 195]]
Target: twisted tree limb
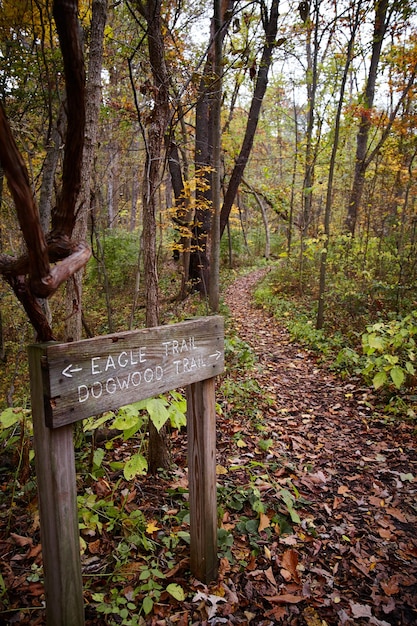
[[31, 276]]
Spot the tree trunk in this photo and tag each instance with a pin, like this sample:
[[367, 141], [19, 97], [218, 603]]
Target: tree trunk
[[199, 261], [217, 106], [204, 136], [271, 29], [73, 304], [380, 28], [293, 180], [31, 276], [53, 149], [183, 214], [324, 254], [158, 454], [2, 344], [311, 81]]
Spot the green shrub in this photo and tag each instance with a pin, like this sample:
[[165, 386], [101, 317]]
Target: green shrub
[[390, 351], [120, 251]]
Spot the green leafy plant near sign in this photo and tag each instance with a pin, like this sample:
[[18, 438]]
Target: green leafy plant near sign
[[121, 604], [281, 507], [128, 607], [238, 354], [15, 424], [132, 419]]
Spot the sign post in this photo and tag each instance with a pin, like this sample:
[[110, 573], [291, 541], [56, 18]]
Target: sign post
[[57, 491], [72, 381]]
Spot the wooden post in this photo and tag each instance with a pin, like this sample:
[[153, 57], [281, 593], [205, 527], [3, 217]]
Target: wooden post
[[201, 425], [55, 470]]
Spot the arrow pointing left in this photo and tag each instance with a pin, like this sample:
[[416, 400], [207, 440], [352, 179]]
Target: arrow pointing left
[[68, 371]]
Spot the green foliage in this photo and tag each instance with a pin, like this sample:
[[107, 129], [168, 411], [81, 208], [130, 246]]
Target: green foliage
[[11, 417], [15, 445], [238, 354], [117, 608], [390, 351], [296, 318], [118, 258], [132, 419], [248, 500], [363, 334], [127, 605], [241, 396]]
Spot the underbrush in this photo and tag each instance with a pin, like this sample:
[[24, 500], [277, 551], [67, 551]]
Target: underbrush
[[377, 347], [134, 528]]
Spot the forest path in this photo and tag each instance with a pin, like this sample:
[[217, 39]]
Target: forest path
[[356, 477]]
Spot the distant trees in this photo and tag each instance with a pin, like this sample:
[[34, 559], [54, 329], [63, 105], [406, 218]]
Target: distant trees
[[313, 143]]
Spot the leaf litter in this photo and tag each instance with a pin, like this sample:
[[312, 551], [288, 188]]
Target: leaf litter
[[316, 498]]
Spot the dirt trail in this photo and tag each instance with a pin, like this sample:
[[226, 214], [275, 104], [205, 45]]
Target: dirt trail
[[357, 476]]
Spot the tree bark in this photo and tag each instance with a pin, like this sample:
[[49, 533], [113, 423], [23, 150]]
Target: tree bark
[[204, 165], [158, 455], [271, 28], [73, 304], [380, 28], [68, 27], [53, 149], [199, 261], [214, 289], [42, 281]]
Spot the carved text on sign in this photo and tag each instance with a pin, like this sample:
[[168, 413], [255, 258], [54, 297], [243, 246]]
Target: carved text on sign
[[92, 376]]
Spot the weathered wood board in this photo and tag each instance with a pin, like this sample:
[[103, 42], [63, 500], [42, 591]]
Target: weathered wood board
[[91, 376]]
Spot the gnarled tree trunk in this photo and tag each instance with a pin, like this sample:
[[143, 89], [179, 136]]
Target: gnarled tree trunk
[[32, 276]]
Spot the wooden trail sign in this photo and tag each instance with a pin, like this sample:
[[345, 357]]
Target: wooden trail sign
[[76, 380], [96, 375]]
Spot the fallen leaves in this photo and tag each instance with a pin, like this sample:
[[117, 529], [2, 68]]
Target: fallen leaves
[[325, 532], [355, 544]]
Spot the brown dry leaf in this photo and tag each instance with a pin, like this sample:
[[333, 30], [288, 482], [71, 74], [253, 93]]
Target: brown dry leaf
[[390, 587], [21, 541], [264, 522], [362, 565], [278, 613], [285, 598], [36, 589], [312, 617], [270, 577], [184, 563], [354, 477], [360, 610], [224, 567], [397, 514], [34, 551], [385, 533], [94, 547], [375, 501], [337, 502], [102, 487], [289, 540], [342, 490], [289, 563]]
